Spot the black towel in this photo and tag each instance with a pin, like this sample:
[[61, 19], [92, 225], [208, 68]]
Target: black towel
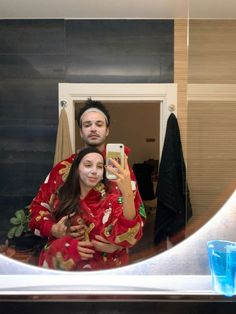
[[173, 201]]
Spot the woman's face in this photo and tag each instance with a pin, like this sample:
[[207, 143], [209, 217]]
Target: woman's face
[[91, 170]]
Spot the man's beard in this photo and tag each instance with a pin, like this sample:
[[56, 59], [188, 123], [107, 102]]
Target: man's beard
[[93, 144]]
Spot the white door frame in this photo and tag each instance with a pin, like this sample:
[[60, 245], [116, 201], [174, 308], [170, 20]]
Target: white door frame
[[166, 94]]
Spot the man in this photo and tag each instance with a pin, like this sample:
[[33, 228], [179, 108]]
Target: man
[[94, 121]]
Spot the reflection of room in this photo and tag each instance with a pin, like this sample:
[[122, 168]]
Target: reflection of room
[[148, 67], [64, 50], [36, 55], [36, 139]]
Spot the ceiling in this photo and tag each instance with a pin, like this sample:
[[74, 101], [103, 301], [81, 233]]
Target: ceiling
[[120, 9]]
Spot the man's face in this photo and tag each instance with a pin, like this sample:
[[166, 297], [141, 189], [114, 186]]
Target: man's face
[[93, 129]]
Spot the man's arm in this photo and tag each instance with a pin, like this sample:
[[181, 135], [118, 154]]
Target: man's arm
[[41, 220], [103, 245]]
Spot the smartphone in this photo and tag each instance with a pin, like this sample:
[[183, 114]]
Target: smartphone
[[114, 151]]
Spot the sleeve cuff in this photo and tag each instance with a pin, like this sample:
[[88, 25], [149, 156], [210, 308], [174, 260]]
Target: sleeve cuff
[[46, 228]]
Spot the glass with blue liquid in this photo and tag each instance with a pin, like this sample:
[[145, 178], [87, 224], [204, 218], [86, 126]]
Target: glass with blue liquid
[[222, 261]]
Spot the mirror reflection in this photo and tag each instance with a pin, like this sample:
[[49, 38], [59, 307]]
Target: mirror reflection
[[206, 111]]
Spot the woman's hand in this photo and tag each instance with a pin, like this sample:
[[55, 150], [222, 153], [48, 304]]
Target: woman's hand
[[123, 176], [85, 250], [60, 228], [102, 245], [78, 231]]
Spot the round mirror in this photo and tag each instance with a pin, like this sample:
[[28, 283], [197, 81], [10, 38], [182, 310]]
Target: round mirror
[[205, 111]]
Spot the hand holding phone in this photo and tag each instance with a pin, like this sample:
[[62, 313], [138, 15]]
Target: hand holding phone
[[116, 152]]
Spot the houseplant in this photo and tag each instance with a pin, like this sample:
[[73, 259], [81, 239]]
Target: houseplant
[[20, 236], [19, 223]]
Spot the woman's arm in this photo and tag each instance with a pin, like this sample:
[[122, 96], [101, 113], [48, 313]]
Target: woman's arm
[[124, 183]]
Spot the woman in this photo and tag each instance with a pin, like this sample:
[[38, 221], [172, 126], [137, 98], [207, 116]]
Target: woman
[[83, 200]]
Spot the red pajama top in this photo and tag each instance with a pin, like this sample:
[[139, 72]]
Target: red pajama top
[[103, 216]]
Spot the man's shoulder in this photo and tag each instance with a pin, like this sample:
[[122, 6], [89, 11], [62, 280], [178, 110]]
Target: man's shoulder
[[66, 161], [127, 150], [62, 168]]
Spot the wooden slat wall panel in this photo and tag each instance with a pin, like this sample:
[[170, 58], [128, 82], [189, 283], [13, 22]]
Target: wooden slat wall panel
[[211, 158], [211, 136], [211, 153], [212, 51], [181, 74]]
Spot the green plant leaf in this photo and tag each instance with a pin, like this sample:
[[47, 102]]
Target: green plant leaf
[[11, 232], [19, 230], [15, 221], [20, 214], [20, 222]]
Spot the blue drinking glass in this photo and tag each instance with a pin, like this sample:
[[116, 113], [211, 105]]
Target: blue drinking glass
[[222, 255]]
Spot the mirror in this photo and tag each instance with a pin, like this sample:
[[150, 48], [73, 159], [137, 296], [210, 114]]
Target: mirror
[[205, 121]]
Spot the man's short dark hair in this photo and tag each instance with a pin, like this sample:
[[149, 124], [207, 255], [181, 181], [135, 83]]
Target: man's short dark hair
[[93, 104]]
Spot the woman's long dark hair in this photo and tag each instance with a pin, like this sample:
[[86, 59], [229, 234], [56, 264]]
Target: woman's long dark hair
[[69, 192]]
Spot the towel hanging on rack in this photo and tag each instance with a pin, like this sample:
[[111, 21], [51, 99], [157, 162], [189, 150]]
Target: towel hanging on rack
[[63, 143], [173, 200]]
